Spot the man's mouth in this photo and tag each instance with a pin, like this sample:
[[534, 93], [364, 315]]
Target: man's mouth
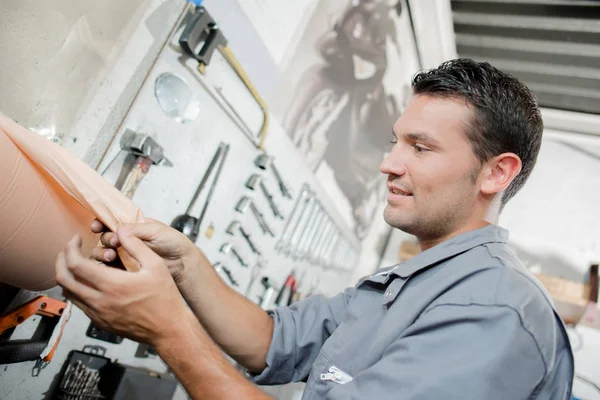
[[399, 192]]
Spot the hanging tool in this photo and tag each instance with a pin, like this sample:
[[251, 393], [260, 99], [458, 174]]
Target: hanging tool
[[244, 203], [300, 283], [254, 272], [264, 162], [309, 230], [293, 220], [188, 225], [319, 255], [237, 226], [225, 273], [138, 152], [227, 248], [298, 231], [285, 295], [325, 257], [317, 237], [203, 32], [40, 347], [266, 301], [257, 180]]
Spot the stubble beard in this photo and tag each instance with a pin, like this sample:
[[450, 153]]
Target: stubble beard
[[437, 221], [422, 226]]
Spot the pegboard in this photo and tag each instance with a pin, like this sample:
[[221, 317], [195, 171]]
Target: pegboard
[[165, 192]]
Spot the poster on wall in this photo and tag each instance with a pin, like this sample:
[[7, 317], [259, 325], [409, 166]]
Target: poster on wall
[[342, 90]]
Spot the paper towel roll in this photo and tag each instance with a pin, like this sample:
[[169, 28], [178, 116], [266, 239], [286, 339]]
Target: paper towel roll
[[47, 195]]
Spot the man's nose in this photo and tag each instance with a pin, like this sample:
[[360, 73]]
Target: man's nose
[[393, 164]]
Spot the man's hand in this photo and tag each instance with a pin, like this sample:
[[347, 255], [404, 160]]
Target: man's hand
[[174, 247], [240, 327], [146, 306], [142, 306]]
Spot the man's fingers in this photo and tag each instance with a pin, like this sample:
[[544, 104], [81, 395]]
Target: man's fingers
[[109, 239], [65, 278], [85, 270], [104, 255], [137, 249], [98, 227], [147, 231]]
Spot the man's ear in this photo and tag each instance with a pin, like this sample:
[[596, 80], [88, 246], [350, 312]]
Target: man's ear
[[500, 172]]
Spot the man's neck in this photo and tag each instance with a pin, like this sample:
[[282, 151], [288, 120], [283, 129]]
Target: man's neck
[[429, 243]]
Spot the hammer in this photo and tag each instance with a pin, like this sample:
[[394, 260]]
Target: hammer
[[143, 153]]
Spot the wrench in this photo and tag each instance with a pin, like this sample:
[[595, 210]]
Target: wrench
[[237, 226], [254, 272], [327, 239], [341, 254], [317, 240], [244, 203], [256, 180], [331, 250], [227, 248], [308, 231], [224, 271], [292, 222], [301, 226]]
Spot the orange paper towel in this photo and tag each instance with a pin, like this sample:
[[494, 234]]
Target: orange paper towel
[[47, 196]]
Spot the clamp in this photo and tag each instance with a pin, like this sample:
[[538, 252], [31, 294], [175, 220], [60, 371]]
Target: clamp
[[28, 350]]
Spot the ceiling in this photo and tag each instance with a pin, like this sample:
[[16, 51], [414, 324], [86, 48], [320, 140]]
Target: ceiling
[[551, 45]]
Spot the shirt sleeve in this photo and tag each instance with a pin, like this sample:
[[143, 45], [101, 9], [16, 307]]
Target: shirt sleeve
[[454, 352], [299, 332]]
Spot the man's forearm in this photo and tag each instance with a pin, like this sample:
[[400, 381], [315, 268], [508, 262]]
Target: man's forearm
[[240, 327], [200, 366]]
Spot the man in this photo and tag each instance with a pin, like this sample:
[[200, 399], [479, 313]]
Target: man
[[464, 319]]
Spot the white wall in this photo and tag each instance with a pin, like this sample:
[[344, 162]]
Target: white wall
[[555, 219], [432, 21]]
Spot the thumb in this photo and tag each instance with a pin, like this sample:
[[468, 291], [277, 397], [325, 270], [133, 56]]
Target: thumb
[[147, 231], [137, 249]]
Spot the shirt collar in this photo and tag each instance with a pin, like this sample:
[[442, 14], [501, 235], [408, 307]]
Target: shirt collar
[[443, 251]]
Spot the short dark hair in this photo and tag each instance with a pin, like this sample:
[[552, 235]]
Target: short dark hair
[[507, 116]]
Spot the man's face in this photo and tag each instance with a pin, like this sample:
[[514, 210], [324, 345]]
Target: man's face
[[431, 168]]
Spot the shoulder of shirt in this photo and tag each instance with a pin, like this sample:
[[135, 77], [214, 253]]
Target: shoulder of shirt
[[491, 275]]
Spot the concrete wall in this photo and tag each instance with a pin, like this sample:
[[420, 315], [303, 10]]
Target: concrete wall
[[55, 55]]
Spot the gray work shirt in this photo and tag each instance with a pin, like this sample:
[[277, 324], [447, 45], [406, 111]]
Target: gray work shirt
[[461, 320]]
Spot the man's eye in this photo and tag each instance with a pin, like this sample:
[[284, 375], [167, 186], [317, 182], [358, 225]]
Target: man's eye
[[394, 141], [419, 149]]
